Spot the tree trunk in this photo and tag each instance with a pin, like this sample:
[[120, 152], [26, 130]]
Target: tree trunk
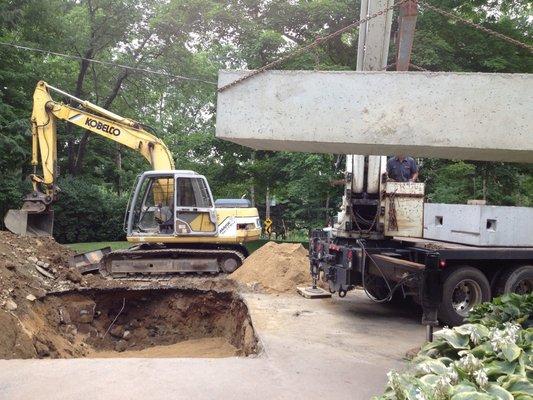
[[71, 151], [85, 138], [118, 165], [327, 209], [252, 194]]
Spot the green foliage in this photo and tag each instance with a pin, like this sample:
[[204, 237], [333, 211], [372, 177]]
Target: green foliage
[[474, 360], [88, 212], [510, 307]]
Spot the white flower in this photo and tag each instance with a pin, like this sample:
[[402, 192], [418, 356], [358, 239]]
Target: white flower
[[442, 387], [452, 375], [481, 378], [394, 382], [419, 395], [423, 368], [469, 363], [501, 337]]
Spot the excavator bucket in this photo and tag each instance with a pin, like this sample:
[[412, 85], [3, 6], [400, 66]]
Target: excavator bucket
[[28, 223]]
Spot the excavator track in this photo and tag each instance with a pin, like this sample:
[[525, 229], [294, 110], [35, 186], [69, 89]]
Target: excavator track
[[160, 262]]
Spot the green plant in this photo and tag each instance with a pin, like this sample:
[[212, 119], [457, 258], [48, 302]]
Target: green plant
[[509, 307], [474, 361]]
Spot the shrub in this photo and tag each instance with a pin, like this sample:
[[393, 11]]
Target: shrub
[[88, 212], [478, 361]]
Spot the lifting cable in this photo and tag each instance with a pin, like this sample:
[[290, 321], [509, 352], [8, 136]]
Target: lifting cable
[[317, 42], [320, 40], [476, 26]]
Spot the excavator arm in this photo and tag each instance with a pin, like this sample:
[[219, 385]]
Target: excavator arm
[[36, 217]]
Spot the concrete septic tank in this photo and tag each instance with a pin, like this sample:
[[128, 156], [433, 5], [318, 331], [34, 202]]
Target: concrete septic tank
[[473, 116], [479, 225]]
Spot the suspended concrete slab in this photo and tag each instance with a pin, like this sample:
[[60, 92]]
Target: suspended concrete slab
[[472, 116]]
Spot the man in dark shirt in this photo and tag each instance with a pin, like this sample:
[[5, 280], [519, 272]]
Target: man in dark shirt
[[402, 169]]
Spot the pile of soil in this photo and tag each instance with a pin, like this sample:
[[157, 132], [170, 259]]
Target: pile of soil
[[29, 269], [275, 268]]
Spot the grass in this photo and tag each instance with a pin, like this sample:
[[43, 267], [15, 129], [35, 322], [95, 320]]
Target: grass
[[90, 246]]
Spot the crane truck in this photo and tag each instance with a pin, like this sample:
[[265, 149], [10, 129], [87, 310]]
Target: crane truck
[[171, 217], [387, 239], [393, 245]]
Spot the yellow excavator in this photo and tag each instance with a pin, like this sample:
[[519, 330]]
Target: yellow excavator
[[171, 218]]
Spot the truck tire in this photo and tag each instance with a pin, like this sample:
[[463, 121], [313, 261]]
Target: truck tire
[[463, 288], [515, 280]]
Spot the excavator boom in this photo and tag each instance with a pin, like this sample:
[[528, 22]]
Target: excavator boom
[[36, 218]]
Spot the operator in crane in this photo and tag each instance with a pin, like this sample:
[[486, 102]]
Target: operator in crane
[[402, 169]]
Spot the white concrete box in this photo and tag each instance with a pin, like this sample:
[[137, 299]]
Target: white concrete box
[[476, 116], [479, 225]]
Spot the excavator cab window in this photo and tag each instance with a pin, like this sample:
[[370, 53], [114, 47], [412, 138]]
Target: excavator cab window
[[192, 192], [194, 207], [153, 210]]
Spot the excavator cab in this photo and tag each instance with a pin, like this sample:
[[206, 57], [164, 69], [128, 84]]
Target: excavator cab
[[174, 203]]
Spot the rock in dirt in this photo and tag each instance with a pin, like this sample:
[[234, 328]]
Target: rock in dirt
[[276, 267], [80, 311], [31, 297], [74, 276], [11, 266], [44, 272], [117, 331], [126, 335], [41, 349], [33, 259], [121, 346], [10, 305]]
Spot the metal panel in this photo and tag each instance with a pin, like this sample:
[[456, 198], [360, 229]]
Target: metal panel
[[404, 209], [376, 167], [441, 114], [355, 165], [479, 225]]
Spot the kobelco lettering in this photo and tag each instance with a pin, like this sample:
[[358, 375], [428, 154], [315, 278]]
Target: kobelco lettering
[[102, 127]]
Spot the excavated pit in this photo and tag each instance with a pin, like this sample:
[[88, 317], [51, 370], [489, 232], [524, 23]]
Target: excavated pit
[[139, 323]]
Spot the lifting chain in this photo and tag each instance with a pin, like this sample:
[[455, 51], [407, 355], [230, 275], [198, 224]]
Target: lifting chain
[[317, 42], [474, 25]]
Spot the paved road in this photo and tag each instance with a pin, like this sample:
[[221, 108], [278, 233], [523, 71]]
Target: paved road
[[313, 349]]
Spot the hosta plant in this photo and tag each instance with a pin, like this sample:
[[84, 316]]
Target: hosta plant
[[473, 361]]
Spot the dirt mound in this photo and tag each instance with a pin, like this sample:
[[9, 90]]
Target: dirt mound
[[276, 267], [29, 268]]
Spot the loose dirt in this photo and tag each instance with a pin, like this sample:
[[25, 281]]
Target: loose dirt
[[217, 347], [48, 310], [275, 268]]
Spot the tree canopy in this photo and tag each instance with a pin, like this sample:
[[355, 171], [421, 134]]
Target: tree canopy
[[196, 38]]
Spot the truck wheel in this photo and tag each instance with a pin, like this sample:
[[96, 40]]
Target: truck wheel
[[516, 280], [463, 288]]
